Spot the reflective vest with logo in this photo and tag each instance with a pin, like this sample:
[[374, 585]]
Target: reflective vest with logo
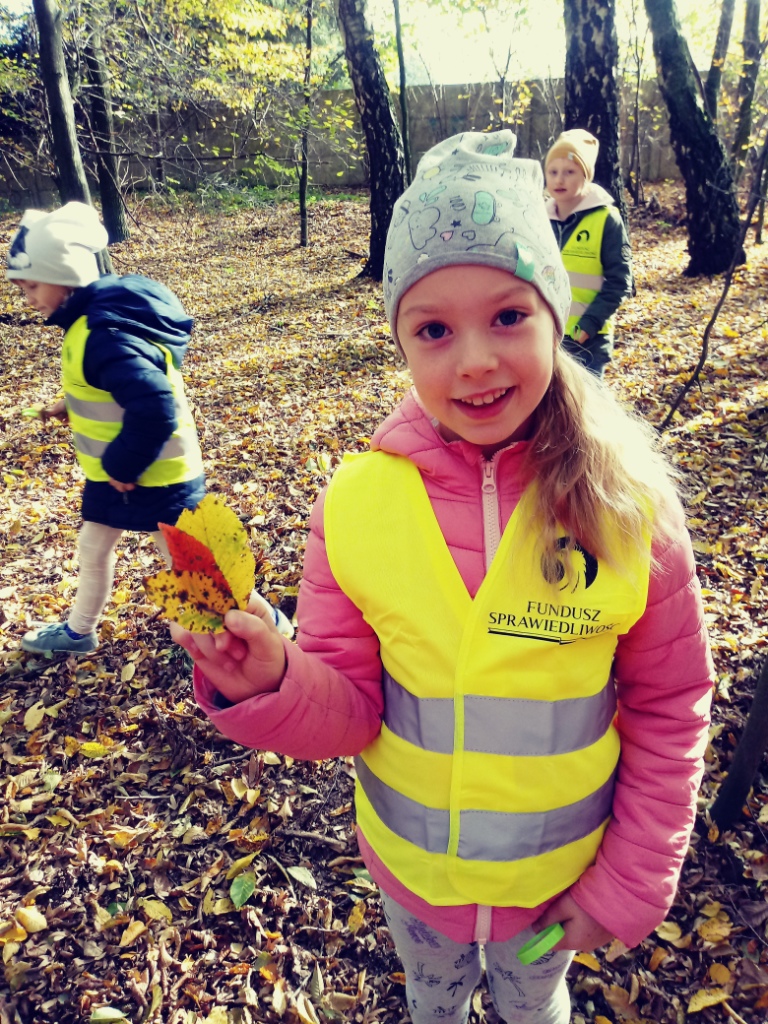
[[581, 256], [491, 780], [96, 419]]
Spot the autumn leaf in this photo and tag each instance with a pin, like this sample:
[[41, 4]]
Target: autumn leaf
[[213, 567], [242, 888], [707, 997]]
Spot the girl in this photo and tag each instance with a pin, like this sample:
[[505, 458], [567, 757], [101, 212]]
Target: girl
[[594, 245], [499, 615], [134, 434]]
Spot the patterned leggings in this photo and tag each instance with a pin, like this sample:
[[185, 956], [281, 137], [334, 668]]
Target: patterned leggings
[[441, 975], [96, 558]]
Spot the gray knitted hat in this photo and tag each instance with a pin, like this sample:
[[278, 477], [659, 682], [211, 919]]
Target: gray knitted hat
[[58, 247], [472, 202]]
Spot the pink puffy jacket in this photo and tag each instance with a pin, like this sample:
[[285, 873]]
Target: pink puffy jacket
[[330, 701]]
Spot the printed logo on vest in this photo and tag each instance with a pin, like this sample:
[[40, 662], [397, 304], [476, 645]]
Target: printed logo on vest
[[583, 236], [554, 622]]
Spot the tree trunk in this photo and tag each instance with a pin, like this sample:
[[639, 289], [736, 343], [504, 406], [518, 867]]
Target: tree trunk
[[383, 141], [746, 759], [304, 169], [403, 94], [70, 173], [750, 66], [112, 206], [715, 75], [591, 92], [712, 213]]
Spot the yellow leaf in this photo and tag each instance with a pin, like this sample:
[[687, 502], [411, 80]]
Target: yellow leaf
[[306, 1010], [156, 910], [707, 997], [714, 929], [189, 598], [239, 866], [602, 1020], [658, 956], [719, 973], [588, 960], [71, 746], [356, 917], [128, 672], [209, 901], [669, 930], [31, 919], [219, 528], [34, 716], [93, 749], [132, 932], [12, 933]]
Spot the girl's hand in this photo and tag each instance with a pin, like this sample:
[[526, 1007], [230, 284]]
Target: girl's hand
[[56, 411], [582, 931], [582, 337], [248, 658]]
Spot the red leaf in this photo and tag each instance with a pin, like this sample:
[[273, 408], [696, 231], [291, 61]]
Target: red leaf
[[190, 555]]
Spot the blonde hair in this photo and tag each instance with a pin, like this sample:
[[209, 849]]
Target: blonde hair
[[596, 464]]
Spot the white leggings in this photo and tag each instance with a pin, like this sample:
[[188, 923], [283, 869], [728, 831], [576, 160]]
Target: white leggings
[[96, 555], [441, 975]]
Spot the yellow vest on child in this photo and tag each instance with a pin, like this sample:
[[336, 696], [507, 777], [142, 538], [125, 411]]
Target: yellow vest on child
[[581, 256], [491, 780], [96, 419]]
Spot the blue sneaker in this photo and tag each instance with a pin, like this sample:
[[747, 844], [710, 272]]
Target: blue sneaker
[[53, 638]]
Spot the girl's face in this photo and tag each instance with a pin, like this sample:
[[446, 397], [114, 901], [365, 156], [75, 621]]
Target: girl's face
[[480, 346], [45, 298], [566, 182]]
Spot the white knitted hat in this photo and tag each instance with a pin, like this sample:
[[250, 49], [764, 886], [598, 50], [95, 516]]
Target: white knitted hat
[[472, 202], [57, 247]]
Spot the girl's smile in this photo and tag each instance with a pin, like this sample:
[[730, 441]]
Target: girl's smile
[[479, 344]]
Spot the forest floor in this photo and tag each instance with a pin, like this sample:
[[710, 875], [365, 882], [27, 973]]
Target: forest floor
[[125, 818]]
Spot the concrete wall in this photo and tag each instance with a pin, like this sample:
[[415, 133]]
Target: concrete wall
[[204, 148]]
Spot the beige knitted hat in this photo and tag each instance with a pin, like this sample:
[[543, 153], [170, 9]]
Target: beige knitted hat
[[579, 145]]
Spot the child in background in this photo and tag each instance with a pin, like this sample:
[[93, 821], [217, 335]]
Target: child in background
[[499, 615], [134, 433], [594, 245]]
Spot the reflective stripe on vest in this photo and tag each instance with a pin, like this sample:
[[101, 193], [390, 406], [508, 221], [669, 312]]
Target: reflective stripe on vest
[[96, 420], [491, 779], [582, 259]]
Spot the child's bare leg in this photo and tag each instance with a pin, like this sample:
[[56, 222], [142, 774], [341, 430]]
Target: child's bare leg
[[96, 555]]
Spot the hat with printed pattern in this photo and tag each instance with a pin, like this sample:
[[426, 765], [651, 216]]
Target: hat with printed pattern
[[472, 202]]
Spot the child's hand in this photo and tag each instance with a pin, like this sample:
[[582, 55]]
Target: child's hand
[[121, 487], [582, 931], [582, 337], [56, 411], [248, 658]]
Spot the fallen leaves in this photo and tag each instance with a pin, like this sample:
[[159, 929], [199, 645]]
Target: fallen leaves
[[184, 879]]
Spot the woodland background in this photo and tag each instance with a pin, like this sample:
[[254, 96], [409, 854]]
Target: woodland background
[[126, 820]]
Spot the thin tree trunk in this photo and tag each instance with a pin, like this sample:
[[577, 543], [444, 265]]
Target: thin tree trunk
[[591, 91], [404, 126], [384, 144], [746, 759], [715, 75], [112, 205], [304, 171], [712, 213], [750, 67], [70, 172]]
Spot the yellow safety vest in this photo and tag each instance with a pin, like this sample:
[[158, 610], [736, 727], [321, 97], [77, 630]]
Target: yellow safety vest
[[491, 780], [581, 256], [96, 419]]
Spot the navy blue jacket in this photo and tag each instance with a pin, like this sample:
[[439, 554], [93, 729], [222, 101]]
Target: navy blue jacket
[[125, 315]]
